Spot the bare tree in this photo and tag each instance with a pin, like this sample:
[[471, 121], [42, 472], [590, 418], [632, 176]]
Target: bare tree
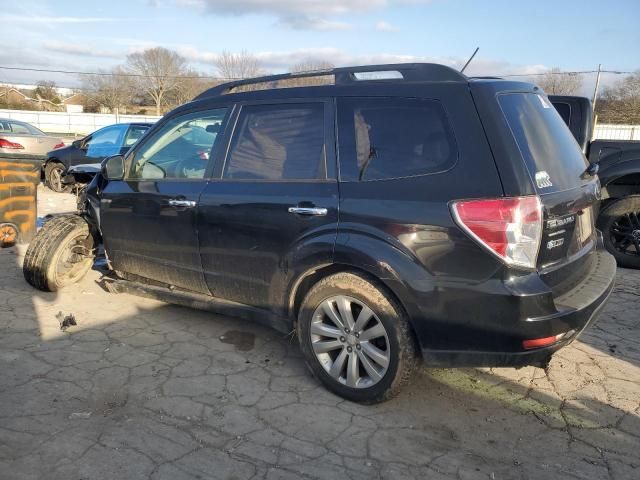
[[112, 89], [160, 72], [191, 85], [240, 65], [311, 66], [46, 90], [620, 103], [556, 82]]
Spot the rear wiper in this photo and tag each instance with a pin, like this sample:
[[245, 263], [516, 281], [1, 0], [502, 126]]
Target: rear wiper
[[591, 171], [372, 155]]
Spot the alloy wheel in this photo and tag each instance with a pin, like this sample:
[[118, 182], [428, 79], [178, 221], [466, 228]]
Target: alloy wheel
[[350, 341], [625, 234]]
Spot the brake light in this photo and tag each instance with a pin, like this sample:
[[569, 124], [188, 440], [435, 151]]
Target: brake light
[[58, 145], [510, 228], [7, 144]]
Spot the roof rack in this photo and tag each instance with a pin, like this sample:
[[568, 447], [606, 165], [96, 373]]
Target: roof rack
[[412, 72]]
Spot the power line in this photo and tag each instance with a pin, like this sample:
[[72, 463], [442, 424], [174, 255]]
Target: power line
[[577, 72], [113, 74], [118, 74]]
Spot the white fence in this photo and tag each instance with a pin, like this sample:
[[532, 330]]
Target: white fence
[[616, 132], [84, 123], [72, 123]]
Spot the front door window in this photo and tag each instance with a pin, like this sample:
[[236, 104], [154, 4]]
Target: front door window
[[180, 149]]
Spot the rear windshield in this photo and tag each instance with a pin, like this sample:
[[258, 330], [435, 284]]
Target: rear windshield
[[552, 155]]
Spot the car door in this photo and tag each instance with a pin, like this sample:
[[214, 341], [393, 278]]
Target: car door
[[275, 202], [102, 144], [148, 219]]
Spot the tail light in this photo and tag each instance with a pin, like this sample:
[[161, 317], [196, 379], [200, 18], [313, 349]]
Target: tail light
[[510, 228], [7, 144], [58, 145]]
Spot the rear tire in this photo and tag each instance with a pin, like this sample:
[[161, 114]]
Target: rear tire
[[61, 253], [372, 360], [53, 173], [619, 222]]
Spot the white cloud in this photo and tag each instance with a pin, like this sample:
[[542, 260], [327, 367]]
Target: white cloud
[[298, 14], [314, 23], [52, 19], [80, 50], [281, 61], [383, 26]]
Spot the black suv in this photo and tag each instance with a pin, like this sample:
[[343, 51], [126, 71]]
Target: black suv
[[402, 211]]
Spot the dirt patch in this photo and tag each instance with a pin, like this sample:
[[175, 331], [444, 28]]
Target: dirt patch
[[243, 341]]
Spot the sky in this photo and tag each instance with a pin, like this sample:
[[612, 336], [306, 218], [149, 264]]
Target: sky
[[513, 36]]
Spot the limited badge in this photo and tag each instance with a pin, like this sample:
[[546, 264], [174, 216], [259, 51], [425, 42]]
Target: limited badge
[[551, 244], [543, 180]]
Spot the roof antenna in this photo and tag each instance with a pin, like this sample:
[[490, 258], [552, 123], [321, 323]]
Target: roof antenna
[[469, 61]]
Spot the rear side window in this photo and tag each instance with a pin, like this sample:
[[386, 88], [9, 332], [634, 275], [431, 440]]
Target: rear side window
[[552, 155], [278, 142], [383, 138], [564, 109], [134, 134]]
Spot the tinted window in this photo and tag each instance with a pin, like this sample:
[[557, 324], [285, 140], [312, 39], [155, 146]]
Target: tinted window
[[547, 146], [392, 138], [564, 109], [180, 148], [278, 142]]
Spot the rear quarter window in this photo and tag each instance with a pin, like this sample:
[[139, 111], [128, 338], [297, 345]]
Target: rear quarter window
[[385, 138], [549, 150]]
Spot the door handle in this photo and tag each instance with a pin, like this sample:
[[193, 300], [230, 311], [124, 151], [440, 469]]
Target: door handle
[[182, 203], [308, 211]]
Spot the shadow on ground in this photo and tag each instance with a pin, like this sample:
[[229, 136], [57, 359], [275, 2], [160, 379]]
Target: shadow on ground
[[140, 389]]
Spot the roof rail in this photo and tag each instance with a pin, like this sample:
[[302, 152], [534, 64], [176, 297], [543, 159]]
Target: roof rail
[[412, 72]]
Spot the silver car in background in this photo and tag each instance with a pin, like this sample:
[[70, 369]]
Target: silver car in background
[[23, 138]]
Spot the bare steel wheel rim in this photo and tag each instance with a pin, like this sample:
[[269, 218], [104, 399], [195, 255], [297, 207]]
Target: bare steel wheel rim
[[73, 260], [56, 179], [350, 341]]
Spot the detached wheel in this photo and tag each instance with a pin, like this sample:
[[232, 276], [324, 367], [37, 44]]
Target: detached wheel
[[620, 226], [61, 253], [53, 173], [356, 338], [8, 235]]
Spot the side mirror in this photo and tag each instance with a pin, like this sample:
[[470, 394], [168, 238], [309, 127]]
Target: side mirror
[[77, 143], [113, 168]]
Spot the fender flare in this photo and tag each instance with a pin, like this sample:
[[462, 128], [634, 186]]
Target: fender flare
[[627, 165]]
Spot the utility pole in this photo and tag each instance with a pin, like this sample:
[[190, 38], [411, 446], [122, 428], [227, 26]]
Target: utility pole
[[595, 90]]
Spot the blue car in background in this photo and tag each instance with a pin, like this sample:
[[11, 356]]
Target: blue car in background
[[92, 149]]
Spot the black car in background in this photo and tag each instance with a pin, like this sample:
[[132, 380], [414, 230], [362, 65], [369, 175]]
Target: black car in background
[[403, 212], [618, 165], [92, 149]]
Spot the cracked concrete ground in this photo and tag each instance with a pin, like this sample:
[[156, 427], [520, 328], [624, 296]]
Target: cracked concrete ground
[[141, 389]]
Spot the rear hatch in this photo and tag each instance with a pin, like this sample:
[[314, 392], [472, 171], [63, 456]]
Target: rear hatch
[[537, 138]]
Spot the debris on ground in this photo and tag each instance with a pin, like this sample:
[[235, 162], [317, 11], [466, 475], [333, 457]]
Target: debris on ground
[[80, 415], [66, 321]]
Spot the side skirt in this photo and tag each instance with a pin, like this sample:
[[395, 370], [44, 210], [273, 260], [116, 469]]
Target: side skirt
[[199, 302]]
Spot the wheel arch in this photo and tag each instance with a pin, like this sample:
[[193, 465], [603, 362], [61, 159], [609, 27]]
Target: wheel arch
[[305, 282]]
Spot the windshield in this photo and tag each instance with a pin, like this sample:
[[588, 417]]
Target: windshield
[[551, 153]]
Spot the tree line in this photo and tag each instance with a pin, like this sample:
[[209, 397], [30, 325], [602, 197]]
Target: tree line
[[164, 77], [617, 103]]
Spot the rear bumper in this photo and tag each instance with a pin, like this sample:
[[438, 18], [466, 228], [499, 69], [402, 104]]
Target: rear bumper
[[575, 311]]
